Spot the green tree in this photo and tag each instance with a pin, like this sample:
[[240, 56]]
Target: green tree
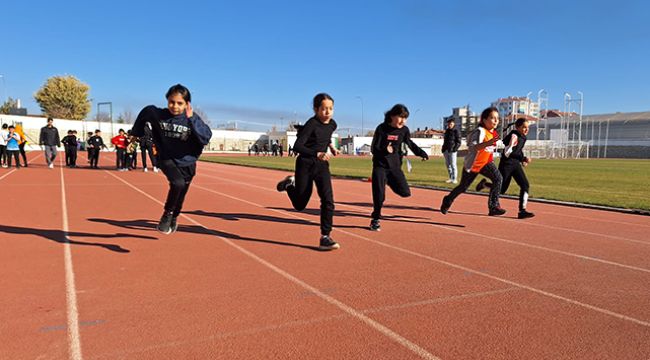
[[64, 97], [8, 105]]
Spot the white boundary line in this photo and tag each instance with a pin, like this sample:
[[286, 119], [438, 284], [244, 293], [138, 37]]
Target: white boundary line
[[537, 247], [456, 266], [346, 308], [413, 202], [74, 339]]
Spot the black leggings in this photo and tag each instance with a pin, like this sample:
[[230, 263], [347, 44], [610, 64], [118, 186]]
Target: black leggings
[[180, 178], [311, 170], [491, 172], [94, 157], [396, 181], [147, 148], [15, 154], [510, 170], [21, 148]]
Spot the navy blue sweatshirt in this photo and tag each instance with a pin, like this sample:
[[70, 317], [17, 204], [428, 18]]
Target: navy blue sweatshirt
[[386, 134], [514, 147], [177, 138], [314, 137]]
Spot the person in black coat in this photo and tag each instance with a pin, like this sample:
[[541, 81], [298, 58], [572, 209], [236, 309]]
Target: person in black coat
[[450, 149]]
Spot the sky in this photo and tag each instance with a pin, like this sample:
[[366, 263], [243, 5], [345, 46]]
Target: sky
[[260, 63]]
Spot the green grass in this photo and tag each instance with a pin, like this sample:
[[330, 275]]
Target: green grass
[[610, 182]]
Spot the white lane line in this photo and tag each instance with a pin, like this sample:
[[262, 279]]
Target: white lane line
[[14, 170], [456, 266], [74, 339], [517, 243], [344, 307], [414, 202]]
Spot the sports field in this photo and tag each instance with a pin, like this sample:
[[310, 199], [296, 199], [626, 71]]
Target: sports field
[[609, 182]]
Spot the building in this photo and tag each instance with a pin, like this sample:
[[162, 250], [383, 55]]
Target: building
[[513, 107], [464, 118]]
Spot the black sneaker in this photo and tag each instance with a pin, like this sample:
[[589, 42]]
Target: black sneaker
[[481, 185], [374, 225], [288, 181], [327, 243], [523, 214], [446, 204], [174, 224], [165, 223], [497, 211]]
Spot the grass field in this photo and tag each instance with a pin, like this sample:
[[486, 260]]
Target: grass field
[[611, 182]]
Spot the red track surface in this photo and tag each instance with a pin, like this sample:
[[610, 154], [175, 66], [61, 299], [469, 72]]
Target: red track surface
[[241, 279]]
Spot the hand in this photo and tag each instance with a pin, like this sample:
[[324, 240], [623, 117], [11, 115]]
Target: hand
[[333, 150], [389, 148], [425, 157], [527, 160], [188, 110], [323, 156]]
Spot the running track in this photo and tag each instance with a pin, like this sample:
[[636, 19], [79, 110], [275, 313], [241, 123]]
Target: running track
[[86, 276]]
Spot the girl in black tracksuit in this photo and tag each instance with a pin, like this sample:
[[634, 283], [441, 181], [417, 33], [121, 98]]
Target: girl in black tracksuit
[[511, 165], [179, 136], [387, 159], [312, 166]]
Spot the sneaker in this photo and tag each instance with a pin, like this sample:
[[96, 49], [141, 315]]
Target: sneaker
[[174, 224], [454, 182], [449, 181], [155, 169], [327, 243], [51, 166], [481, 185], [145, 170], [165, 223], [446, 204], [523, 214], [497, 211], [374, 225], [286, 182]]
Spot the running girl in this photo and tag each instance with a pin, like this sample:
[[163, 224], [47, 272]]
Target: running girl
[[179, 136], [510, 166], [312, 166], [387, 159], [481, 144]]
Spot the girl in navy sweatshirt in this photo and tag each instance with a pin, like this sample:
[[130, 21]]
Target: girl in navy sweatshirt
[[387, 159], [312, 166], [179, 136], [511, 165]]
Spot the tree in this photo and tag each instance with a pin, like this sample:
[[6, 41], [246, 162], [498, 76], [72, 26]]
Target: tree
[[64, 97], [8, 106]]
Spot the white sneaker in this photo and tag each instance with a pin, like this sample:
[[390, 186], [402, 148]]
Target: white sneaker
[[155, 169], [449, 181], [5, 166], [51, 166], [145, 170], [454, 182]]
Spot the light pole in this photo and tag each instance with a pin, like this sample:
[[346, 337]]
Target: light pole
[[4, 88], [360, 98]]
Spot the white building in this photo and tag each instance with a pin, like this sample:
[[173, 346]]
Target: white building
[[513, 107]]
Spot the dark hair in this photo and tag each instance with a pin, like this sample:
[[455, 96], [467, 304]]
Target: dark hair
[[96, 131], [486, 113], [49, 119], [451, 120], [397, 110], [69, 131], [318, 99], [179, 89], [120, 130], [4, 126], [520, 121], [11, 126]]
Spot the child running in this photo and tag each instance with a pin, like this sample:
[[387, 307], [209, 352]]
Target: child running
[[510, 165], [179, 136], [481, 144], [312, 166], [387, 159]]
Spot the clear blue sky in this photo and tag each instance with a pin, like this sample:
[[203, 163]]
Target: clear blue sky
[[258, 61]]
